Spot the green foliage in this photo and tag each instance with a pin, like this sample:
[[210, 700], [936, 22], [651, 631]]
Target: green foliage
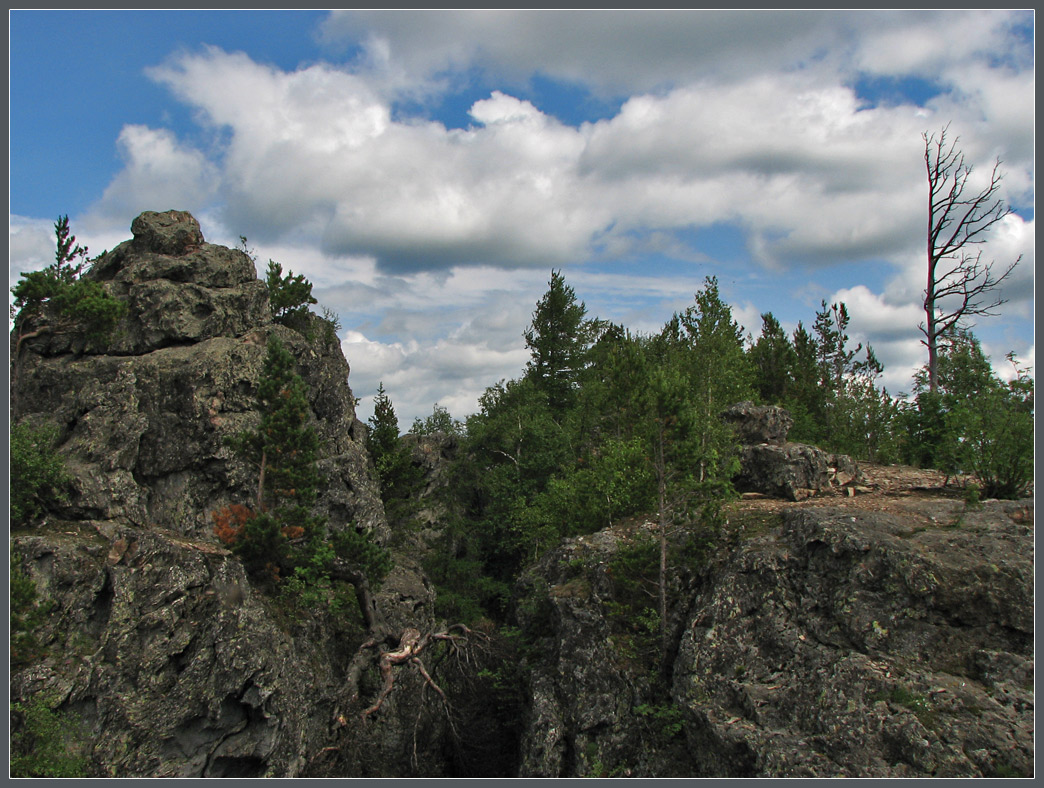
[[639, 416], [902, 695], [58, 299], [28, 613], [38, 475], [773, 359], [830, 390], [516, 446], [397, 476], [613, 481], [973, 423], [557, 338], [282, 538], [857, 417], [632, 614], [359, 550], [48, 743], [285, 445], [440, 422], [465, 592], [669, 720], [997, 431], [289, 295]]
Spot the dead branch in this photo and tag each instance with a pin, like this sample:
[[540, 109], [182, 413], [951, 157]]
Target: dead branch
[[410, 647]]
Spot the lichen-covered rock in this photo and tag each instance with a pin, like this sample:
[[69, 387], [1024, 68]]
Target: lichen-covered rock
[[171, 663], [590, 678], [770, 465], [172, 233], [156, 639], [792, 471], [856, 644], [845, 643], [143, 421], [756, 424]]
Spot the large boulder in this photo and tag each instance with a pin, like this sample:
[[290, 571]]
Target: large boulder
[[172, 233], [756, 424], [793, 471], [771, 465]]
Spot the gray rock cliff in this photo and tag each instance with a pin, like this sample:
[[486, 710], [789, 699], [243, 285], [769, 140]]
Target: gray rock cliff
[[841, 642], [156, 642]]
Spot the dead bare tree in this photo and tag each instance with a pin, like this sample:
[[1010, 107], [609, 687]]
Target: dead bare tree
[[960, 284]]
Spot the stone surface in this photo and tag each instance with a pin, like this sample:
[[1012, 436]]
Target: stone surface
[[792, 471], [856, 644], [771, 465], [171, 233], [156, 639], [759, 423], [844, 642], [144, 418], [170, 660]]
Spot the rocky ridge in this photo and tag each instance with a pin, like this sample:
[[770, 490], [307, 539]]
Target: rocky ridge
[[884, 635], [852, 621], [174, 663]]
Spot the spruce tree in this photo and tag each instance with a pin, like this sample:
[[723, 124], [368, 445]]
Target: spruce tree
[[557, 338], [282, 537], [284, 449], [396, 474], [773, 359], [289, 295]]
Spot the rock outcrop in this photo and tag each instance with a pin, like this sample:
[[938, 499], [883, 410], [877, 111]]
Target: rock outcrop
[[156, 640], [862, 644], [771, 465], [836, 641], [843, 643], [144, 416]]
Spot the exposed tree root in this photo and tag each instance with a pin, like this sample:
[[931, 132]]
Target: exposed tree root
[[410, 647]]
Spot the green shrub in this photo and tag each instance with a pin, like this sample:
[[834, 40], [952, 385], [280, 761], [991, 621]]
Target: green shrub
[[668, 719], [27, 615], [289, 295], [61, 297], [48, 743], [38, 473]]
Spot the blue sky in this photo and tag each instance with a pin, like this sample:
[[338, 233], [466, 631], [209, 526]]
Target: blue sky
[[427, 170]]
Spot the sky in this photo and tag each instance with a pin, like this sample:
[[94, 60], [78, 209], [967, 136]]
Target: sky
[[427, 170]]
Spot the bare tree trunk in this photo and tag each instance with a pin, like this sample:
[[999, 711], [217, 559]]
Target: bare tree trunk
[[661, 478], [261, 483], [363, 594], [957, 288]]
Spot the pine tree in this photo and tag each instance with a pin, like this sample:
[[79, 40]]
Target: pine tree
[[773, 359], [59, 300], [396, 474], [558, 340], [284, 449], [282, 537], [719, 375], [289, 295], [807, 399]]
